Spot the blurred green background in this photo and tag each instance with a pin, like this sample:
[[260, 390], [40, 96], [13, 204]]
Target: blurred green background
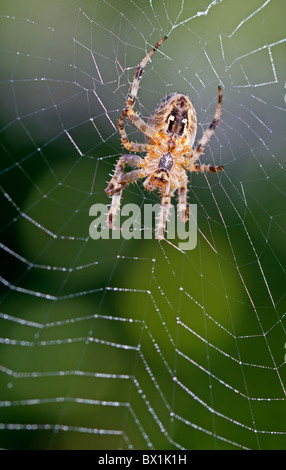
[[117, 344]]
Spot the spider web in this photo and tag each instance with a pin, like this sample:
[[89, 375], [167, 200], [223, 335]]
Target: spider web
[[135, 344]]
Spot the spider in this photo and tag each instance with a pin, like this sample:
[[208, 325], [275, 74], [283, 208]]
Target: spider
[[170, 134]]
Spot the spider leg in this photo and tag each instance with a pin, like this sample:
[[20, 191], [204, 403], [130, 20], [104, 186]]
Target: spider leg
[[124, 181], [119, 181], [208, 133], [127, 159], [128, 110], [182, 193], [163, 216], [139, 69], [201, 168]]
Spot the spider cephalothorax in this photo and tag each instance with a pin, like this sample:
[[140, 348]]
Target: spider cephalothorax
[[170, 135]]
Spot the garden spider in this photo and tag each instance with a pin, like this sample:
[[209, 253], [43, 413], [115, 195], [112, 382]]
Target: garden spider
[[170, 134]]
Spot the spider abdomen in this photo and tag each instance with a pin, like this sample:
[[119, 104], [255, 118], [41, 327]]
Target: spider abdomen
[[175, 116]]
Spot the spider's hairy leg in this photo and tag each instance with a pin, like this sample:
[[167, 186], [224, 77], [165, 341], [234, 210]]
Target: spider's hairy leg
[[140, 124], [202, 168], [128, 110], [119, 181], [124, 181], [114, 208], [163, 216], [210, 130], [127, 159], [138, 73], [182, 193]]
